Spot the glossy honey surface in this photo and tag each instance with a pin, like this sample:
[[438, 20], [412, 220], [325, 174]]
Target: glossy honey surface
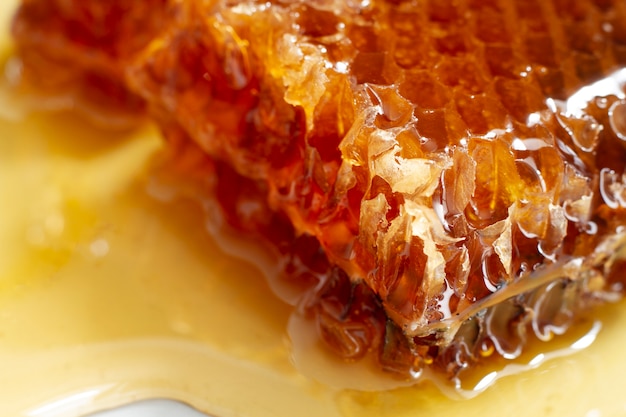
[[109, 295]]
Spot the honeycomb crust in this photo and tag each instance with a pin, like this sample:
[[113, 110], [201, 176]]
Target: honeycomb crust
[[444, 178]]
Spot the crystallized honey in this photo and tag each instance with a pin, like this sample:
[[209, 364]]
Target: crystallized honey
[[442, 180]]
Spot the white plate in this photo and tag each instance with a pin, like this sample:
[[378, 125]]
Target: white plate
[[153, 408]]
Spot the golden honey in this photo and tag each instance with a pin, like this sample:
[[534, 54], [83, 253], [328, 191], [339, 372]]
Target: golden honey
[[103, 302], [427, 202]]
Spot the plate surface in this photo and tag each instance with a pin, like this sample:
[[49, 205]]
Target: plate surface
[[152, 408]]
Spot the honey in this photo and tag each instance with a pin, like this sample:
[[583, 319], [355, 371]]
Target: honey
[[84, 329], [430, 174]]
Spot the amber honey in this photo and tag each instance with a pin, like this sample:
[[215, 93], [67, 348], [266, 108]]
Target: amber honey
[[103, 292], [430, 204]]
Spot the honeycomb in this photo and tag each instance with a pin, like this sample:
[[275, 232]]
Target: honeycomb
[[444, 178], [81, 48]]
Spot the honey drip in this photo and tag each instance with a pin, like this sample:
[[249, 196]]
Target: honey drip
[[434, 175]]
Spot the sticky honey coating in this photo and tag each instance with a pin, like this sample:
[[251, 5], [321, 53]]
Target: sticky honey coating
[[441, 185]]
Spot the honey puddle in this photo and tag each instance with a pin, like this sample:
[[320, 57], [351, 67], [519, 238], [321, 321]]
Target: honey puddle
[[108, 295]]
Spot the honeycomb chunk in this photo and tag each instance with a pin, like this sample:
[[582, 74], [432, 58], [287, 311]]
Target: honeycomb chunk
[[442, 177]]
